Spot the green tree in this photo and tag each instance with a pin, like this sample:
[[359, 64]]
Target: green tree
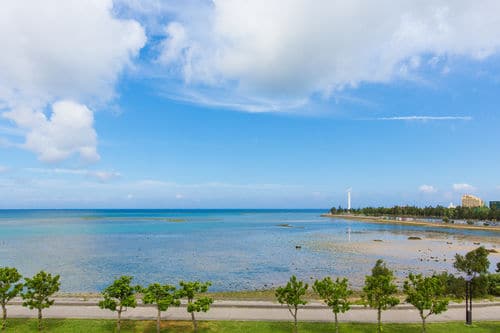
[[9, 288], [119, 296], [498, 268], [426, 294], [38, 290], [473, 263], [163, 296], [379, 290], [335, 295], [291, 295], [189, 290]]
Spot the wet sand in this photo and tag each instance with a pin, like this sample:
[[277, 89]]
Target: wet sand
[[432, 252]]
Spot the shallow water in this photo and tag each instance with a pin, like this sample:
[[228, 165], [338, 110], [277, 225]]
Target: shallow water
[[235, 249]]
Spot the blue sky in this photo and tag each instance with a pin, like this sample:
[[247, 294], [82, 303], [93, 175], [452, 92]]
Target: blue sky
[[231, 105]]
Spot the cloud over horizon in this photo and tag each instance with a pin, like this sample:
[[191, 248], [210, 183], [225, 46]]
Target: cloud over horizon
[[427, 189], [463, 187], [100, 175], [426, 118]]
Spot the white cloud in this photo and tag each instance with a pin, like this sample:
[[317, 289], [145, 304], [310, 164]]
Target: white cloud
[[68, 131], [463, 187], [3, 169], [53, 51], [427, 118], [179, 196], [427, 189], [291, 50]]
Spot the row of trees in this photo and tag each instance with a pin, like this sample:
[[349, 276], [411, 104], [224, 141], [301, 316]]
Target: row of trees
[[37, 291], [122, 295], [459, 213], [427, 294]]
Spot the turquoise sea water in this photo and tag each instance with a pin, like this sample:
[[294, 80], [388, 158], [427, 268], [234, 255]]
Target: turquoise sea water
[[235, 249]]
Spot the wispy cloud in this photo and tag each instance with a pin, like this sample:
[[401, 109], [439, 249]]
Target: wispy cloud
[[3, 169], [4, 143], [230, 100], [427, 189], [100, 175], [264, 186], [426, 118], [6, 130], [463, 187]]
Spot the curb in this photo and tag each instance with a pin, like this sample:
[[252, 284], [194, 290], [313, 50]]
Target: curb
[[273, 306]]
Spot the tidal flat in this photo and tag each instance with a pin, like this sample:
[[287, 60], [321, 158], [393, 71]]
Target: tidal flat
[[237, 250]]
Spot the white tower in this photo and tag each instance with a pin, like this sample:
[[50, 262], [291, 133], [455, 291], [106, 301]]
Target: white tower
[[349, 198]]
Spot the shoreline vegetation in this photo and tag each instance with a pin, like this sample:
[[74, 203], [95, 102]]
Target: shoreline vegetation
[[411, 221]]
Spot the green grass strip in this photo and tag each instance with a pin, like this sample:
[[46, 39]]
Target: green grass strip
[[146, 326]]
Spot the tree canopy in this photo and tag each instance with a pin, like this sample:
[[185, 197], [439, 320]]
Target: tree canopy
[[474, 262], [426, 294]]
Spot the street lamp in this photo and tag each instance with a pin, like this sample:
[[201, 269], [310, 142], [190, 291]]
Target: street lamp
[[468, 298]]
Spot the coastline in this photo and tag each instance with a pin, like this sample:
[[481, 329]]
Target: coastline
[[376, 219]]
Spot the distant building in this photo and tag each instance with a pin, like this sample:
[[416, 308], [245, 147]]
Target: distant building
[[495, 204], [469, 200], [451, 205]]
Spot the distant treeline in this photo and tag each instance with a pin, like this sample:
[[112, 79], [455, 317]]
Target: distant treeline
[[459, 213]]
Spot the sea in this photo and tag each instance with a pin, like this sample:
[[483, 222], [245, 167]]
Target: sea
[[235, 249]]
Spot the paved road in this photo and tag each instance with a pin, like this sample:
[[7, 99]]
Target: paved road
[[257, 310]]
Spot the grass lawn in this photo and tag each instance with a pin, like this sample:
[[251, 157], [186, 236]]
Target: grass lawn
[[98, 326]]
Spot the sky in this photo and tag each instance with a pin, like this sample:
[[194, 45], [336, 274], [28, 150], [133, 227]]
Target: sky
[[238, 104]]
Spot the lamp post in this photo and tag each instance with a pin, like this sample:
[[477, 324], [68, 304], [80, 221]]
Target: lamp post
[[468, 299]]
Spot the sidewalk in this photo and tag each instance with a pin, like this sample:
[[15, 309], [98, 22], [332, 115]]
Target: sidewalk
[[255, 310]]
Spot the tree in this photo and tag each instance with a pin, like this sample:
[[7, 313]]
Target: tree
[[498, 268], [119, 296], [426, 293], [9, 288], [335, 295], [291, 295], [163, 296], [38, 290], [189, 290], [379, 290], [473, 263]]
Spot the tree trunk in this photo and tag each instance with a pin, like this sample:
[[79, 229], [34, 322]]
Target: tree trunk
[[195, 324], [423, 321], [4, 316], [158, 321], [39, 319], [379, 320], [336, 323], [119, 322], [295, 329]]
